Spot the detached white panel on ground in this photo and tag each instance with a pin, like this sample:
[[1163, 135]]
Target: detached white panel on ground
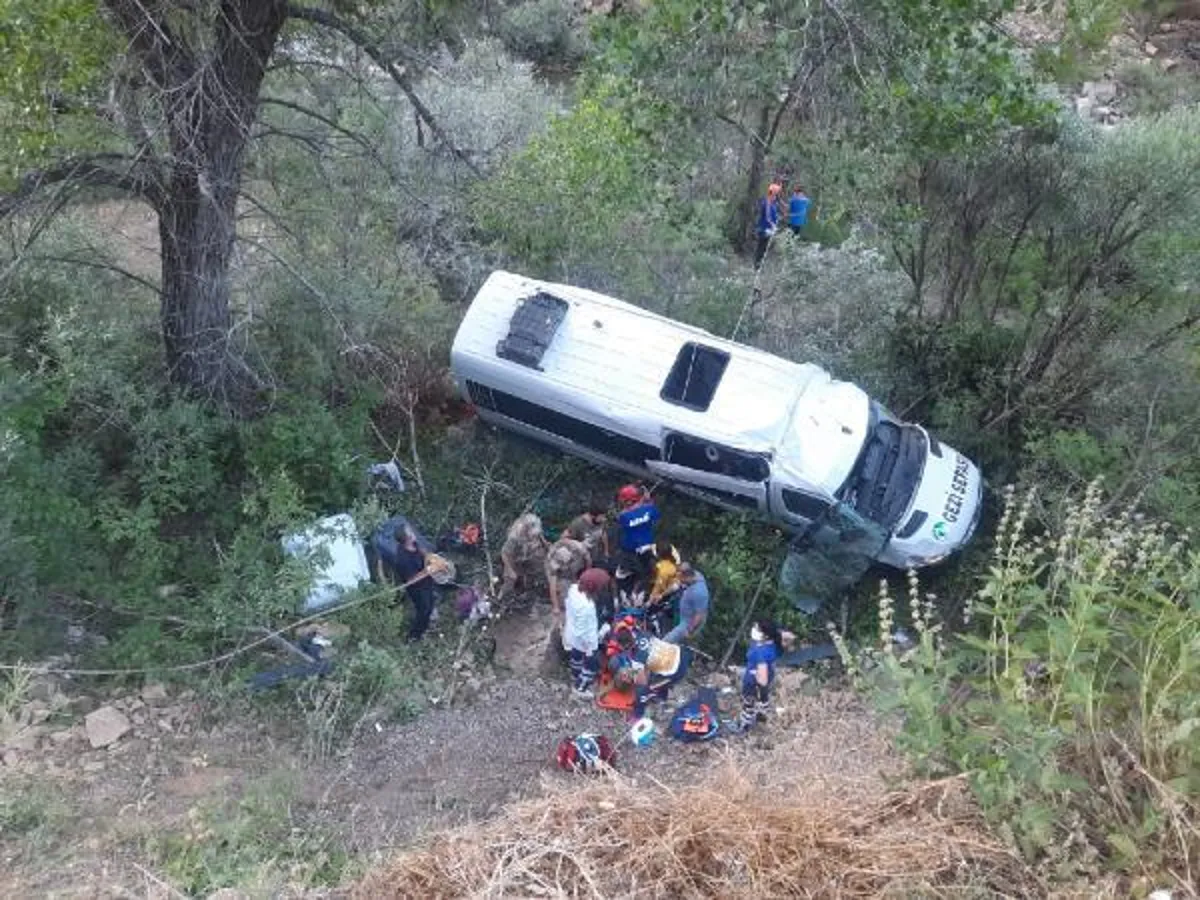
[[347, 561]]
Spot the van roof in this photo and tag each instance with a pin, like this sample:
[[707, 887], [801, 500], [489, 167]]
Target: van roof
[[622, 355]]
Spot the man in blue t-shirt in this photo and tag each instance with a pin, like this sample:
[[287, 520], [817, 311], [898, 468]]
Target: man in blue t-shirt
[[693, 605], [637, 522], [798, 210]]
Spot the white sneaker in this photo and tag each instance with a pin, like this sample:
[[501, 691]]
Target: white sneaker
[[583, 694]]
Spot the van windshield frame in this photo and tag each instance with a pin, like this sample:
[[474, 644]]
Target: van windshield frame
[[888, 470]]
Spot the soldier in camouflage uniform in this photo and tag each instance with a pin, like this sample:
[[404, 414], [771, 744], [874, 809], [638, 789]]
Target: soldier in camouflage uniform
[[523, 554]]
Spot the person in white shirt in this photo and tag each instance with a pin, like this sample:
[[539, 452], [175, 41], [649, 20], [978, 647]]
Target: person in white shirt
[[581, 632]]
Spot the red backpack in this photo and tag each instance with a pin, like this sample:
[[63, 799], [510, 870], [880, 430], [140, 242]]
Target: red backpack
[[587, 753]]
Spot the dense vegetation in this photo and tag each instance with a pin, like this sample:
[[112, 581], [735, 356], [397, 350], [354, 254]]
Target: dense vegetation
[[328, 195]]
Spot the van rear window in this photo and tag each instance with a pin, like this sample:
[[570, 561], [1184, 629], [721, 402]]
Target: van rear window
[[694, 377], [531, 329]]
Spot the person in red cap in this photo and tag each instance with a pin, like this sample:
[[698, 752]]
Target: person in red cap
[[581, 630]]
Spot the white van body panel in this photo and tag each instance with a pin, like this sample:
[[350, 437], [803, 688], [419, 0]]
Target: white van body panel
[[606, 366]]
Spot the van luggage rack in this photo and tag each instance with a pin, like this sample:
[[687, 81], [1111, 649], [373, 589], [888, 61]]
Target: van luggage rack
[[531, 329]]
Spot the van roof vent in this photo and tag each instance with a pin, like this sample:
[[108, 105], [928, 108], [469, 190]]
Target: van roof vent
[[532, 328]]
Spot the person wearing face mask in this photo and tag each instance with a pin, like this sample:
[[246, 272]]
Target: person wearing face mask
[[766, 643]]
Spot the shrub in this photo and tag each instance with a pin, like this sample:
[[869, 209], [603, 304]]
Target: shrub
[[1072, 700], [546, 32]]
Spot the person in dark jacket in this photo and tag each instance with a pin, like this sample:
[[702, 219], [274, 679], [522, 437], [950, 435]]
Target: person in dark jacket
[[409, 568], [768, 222]]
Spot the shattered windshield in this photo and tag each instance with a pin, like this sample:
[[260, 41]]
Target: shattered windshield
[[885, 477], [830, 558]]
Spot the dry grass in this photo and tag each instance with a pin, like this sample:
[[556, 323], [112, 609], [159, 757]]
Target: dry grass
[[726, 837]]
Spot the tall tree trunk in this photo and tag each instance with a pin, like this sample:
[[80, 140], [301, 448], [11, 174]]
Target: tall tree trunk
[[197, 235], [210, 103], [747, 209]]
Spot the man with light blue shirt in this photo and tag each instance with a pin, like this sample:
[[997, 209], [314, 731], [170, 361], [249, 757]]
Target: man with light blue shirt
[[798, 210], [693, 605]]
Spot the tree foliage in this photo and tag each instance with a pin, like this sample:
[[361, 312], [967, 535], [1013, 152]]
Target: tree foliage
[[934, 76]]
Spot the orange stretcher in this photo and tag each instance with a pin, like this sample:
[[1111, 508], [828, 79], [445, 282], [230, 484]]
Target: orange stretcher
[[609, 697]]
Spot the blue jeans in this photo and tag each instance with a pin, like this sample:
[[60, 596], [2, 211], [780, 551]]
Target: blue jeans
[[677, 634]]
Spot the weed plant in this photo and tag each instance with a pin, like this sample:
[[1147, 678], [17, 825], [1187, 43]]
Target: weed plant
[[1071, 699]]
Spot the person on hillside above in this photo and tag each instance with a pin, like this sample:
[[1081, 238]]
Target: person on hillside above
[[767, 642], [591, 528], [768, 222], [638, 520], [798, 210], [649, 665], [693, 605], [523, 554], [565, 562], [582, 630], [409, 567]]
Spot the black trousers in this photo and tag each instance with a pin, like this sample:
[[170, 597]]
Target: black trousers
[[423, 600], [760, 251]]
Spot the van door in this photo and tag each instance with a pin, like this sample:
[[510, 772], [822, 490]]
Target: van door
[[799, 509], [736, 477], [830, 557]]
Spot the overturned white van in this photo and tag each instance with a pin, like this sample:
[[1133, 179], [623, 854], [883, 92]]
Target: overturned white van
[[736, 426]]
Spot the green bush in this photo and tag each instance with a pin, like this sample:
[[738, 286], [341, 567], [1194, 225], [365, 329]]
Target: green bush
[[270, 840], [1072, 700], [546, 32]]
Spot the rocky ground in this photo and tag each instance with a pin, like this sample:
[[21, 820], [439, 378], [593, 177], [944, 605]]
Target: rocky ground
[[95, 786]]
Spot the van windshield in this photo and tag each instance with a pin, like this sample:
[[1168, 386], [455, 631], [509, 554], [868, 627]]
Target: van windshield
[[885, 477]]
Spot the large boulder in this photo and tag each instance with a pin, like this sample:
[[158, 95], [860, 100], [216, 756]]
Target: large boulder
[[105, 726]]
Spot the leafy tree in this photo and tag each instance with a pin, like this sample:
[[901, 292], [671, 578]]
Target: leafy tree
[[1044, 271], [156, 100], [928, 74]]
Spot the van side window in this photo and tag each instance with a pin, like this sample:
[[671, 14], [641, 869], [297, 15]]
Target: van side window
[[806, 506], [705, 456], [585, 434], [694, 377]]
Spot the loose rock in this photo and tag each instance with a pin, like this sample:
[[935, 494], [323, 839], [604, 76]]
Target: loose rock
[[106, 726], [154, 694], [63, 737], [26, 739], [1100, 91]]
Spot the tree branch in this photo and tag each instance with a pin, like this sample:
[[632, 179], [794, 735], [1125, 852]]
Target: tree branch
[[397, 73], [85, 171], [328, 123], [143, 22], [94, 264]]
